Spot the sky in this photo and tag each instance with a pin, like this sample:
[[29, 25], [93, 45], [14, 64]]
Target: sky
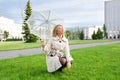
[[74, 12]]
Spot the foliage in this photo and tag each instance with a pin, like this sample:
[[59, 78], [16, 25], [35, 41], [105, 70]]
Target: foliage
[[105, 32], [14, 39], [78, 33], [74, 34], [32, 38], [5, 34], [98, 35], [82, 35], [94, 36], [26, 31], [67, 34]]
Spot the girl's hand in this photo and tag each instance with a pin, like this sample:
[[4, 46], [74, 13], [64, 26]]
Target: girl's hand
[[42, 42]]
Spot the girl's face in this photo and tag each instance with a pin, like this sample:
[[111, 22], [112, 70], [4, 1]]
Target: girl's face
[[60, 30]]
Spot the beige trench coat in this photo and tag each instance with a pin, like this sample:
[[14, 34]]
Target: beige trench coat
[[62, 47]]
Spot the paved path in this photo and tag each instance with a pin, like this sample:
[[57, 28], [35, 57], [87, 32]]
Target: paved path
[[25, 52]]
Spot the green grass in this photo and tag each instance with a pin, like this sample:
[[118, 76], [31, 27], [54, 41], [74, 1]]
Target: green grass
[[94, 63], [5, 46]]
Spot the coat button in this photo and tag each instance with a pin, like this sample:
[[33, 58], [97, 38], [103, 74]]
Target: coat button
[[60, 41]]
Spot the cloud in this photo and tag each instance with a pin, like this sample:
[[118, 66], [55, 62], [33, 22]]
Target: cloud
[[66, 4], [88, 13], [56, 4], [73, 11]]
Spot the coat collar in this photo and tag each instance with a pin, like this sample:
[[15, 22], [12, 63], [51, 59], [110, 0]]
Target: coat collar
[[57, 38]]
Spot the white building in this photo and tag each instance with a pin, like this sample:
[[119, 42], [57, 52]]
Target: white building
[[112, 18], [88, 31], [9, 26]]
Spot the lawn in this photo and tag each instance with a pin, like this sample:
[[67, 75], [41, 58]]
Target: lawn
[[94, 63], [5, 46]]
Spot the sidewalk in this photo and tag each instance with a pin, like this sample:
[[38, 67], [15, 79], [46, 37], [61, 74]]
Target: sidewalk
[[26, 52]]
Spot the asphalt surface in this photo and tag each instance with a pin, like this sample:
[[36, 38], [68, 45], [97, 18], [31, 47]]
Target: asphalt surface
[[33, 51]]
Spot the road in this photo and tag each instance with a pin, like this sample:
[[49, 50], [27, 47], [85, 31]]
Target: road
[[33, 51]]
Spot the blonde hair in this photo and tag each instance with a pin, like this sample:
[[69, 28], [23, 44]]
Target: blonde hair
[[54, 33]]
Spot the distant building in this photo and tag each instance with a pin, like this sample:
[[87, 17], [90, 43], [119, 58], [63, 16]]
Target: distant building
[[8, 25], [112, 18], [88, 31]]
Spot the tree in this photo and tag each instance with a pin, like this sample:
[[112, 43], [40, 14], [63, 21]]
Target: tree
[[94, 35], [78, 33], [105, 31], [26, 31], [99, 34], [72, 35], [82, 35], [67, 34], [6, 34]]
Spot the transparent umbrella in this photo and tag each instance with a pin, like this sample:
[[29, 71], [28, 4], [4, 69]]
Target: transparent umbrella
[[41, 23]]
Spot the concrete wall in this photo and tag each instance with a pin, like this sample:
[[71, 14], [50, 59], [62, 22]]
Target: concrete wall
[[112, 18]]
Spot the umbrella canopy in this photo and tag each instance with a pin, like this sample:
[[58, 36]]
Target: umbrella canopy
[[41, 23]]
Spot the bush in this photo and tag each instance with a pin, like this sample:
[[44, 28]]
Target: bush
[[32, 38], [14, 39]]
